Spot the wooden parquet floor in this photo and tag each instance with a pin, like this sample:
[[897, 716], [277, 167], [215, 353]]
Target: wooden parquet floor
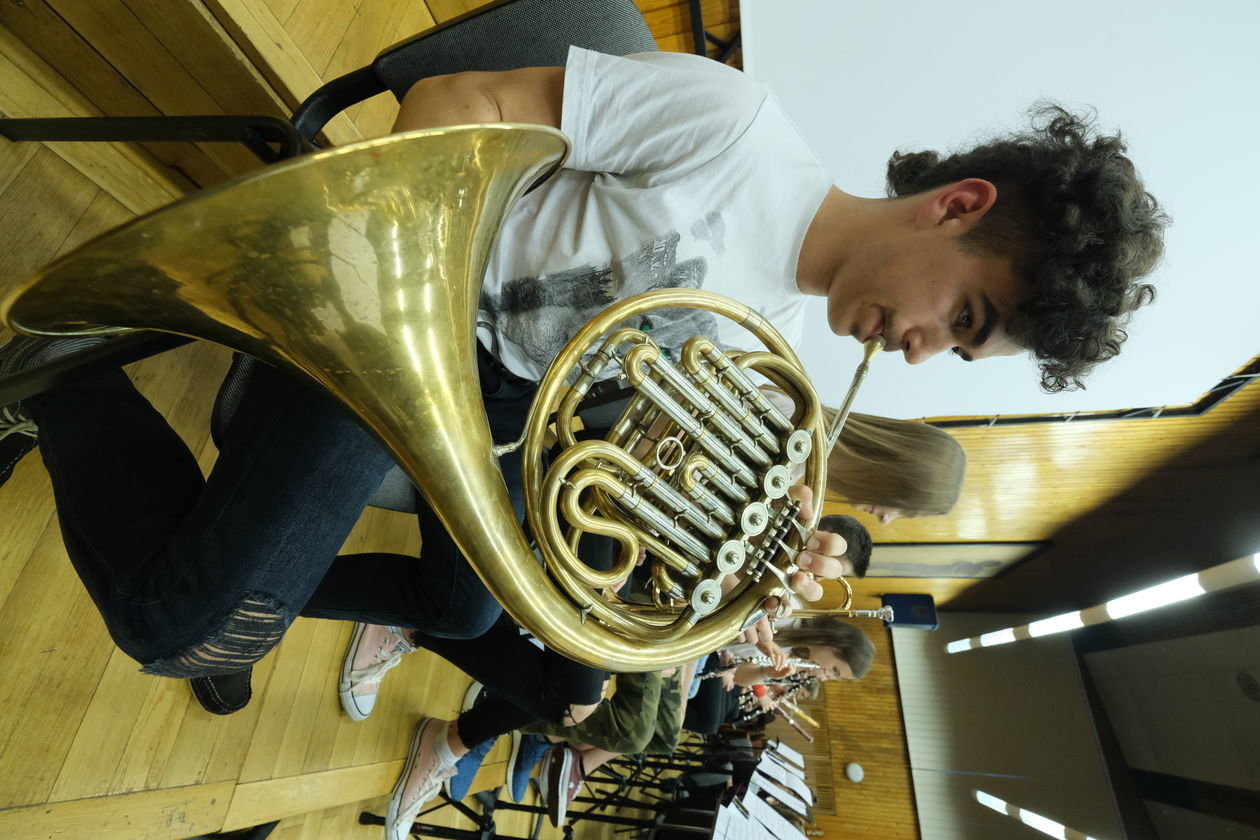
[[91, 747]]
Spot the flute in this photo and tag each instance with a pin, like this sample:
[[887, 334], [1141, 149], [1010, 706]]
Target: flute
[[757, 660]]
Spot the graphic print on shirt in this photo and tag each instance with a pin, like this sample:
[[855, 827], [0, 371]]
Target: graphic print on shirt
[[540, 314], [711, 229]]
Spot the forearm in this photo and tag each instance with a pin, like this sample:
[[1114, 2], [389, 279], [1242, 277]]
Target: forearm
[[749, 674]]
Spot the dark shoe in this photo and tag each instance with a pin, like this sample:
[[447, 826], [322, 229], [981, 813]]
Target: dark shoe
[[466, 768], [17, 437], [17, 430], [225, 694], [559, 780], [527, 751]]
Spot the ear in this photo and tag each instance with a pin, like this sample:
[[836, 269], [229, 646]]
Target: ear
[[958, 205]]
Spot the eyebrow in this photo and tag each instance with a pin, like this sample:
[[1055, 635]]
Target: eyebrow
[[991, 320]]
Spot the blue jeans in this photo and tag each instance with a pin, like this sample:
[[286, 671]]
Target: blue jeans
[[197, 577]]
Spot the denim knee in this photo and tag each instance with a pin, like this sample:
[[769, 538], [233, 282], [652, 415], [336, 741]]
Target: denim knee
[[241, 638], [466, 619]]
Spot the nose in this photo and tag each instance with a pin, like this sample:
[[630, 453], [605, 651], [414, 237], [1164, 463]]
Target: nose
[[919, 344]]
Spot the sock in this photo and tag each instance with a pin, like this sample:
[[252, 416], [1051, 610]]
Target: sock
[[443, 749]]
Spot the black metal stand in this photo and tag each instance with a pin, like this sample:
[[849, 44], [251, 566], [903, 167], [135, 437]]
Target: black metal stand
[[485, 826], [255, 132], [701, 39]]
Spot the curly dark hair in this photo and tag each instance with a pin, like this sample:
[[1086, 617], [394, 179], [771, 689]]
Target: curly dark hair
[[1077, 222]]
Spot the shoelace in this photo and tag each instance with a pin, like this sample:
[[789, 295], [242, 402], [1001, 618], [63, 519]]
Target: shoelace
[[426, 793], [375, 671], [16, 424]]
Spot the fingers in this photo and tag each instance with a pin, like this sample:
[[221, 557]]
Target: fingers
[[827, 544], [805, 585], [763, 633], [782, 670], [803, 494], [778, 656]]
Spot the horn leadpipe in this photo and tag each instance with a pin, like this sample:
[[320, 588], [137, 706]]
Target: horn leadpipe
[[869, 349]]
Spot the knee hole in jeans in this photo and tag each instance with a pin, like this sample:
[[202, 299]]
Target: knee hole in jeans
[[242, 638]]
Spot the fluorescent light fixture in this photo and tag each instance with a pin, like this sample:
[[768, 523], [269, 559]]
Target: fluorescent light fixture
[[1033, 820], [1237, 572], [990, 801], [998, 637], [1056, 624], [1043, 824], [1169, 592]]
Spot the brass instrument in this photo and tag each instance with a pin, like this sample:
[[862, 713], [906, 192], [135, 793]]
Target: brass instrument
[[360, 267]]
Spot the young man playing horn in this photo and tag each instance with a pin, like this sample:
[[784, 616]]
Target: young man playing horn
[[684, 173]]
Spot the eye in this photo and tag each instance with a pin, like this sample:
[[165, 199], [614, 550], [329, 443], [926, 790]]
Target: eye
[[964, 320]]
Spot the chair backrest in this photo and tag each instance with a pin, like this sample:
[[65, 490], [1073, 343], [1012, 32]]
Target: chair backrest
[[513, 34], [506, 35]]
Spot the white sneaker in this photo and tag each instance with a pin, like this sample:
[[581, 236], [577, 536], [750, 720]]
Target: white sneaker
[[374, 649], [470, 696], [420, 781]]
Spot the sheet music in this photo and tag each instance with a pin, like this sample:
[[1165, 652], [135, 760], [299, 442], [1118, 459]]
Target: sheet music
[[785, 777], [741, 825], [721, 825], [786, 765], [780, 793], [789, 753], [773, 820]]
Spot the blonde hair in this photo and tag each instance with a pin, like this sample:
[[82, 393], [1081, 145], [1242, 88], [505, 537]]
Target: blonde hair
[[911, 467]]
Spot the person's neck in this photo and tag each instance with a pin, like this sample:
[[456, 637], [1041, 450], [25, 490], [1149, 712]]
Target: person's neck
[[841, 222]]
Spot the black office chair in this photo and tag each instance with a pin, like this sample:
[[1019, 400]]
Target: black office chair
[[505, 35]]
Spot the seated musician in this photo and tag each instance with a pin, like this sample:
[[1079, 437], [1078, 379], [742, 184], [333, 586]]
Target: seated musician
[[878, 463], [648, 711], [684, 173]]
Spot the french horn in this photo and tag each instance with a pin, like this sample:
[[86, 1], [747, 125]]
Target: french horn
[[360, 268]]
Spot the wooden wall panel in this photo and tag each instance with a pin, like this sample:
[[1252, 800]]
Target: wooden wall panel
[[864, 723], [1044, 481]]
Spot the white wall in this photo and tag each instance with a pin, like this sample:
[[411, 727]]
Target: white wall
[[1180, 78], [1011, 720], [1178, 706]]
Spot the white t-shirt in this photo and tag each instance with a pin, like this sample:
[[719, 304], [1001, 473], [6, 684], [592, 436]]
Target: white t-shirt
[[684, 173]]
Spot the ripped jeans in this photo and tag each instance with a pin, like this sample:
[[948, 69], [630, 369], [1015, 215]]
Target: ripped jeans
[[198, 577]]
